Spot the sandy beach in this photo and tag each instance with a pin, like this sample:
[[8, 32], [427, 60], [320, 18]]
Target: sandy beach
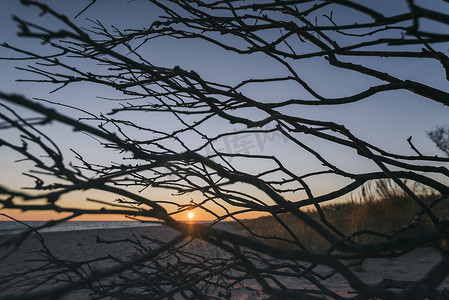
[[84, 245]]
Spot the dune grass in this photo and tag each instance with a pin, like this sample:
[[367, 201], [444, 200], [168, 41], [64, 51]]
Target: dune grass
[[380, 207]]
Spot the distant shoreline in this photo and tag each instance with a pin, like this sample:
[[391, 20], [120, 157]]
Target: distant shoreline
[[12, 227]]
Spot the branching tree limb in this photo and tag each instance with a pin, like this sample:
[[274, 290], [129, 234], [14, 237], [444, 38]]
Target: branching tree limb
[[169, 128]]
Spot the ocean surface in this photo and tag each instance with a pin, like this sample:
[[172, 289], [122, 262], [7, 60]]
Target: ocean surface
[[10, 227]]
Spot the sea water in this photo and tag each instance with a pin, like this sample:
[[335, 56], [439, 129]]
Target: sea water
[[10, 227]]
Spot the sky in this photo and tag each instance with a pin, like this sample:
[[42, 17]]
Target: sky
[[386, 120]]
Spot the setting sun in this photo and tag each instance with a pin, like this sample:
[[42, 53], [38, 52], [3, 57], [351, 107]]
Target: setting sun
[[190, 215]]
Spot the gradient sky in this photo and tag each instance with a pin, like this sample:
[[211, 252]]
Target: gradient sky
[[386, 120]]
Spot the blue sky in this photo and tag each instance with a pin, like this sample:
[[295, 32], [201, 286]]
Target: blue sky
[[385, 120]]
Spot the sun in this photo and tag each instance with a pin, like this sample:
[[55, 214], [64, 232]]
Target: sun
[[190, 215]]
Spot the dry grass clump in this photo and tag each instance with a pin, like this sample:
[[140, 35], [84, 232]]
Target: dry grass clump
[[380, 209]]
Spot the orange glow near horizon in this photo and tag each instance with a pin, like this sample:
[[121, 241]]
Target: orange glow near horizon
[[197, 215], [52, 215]]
